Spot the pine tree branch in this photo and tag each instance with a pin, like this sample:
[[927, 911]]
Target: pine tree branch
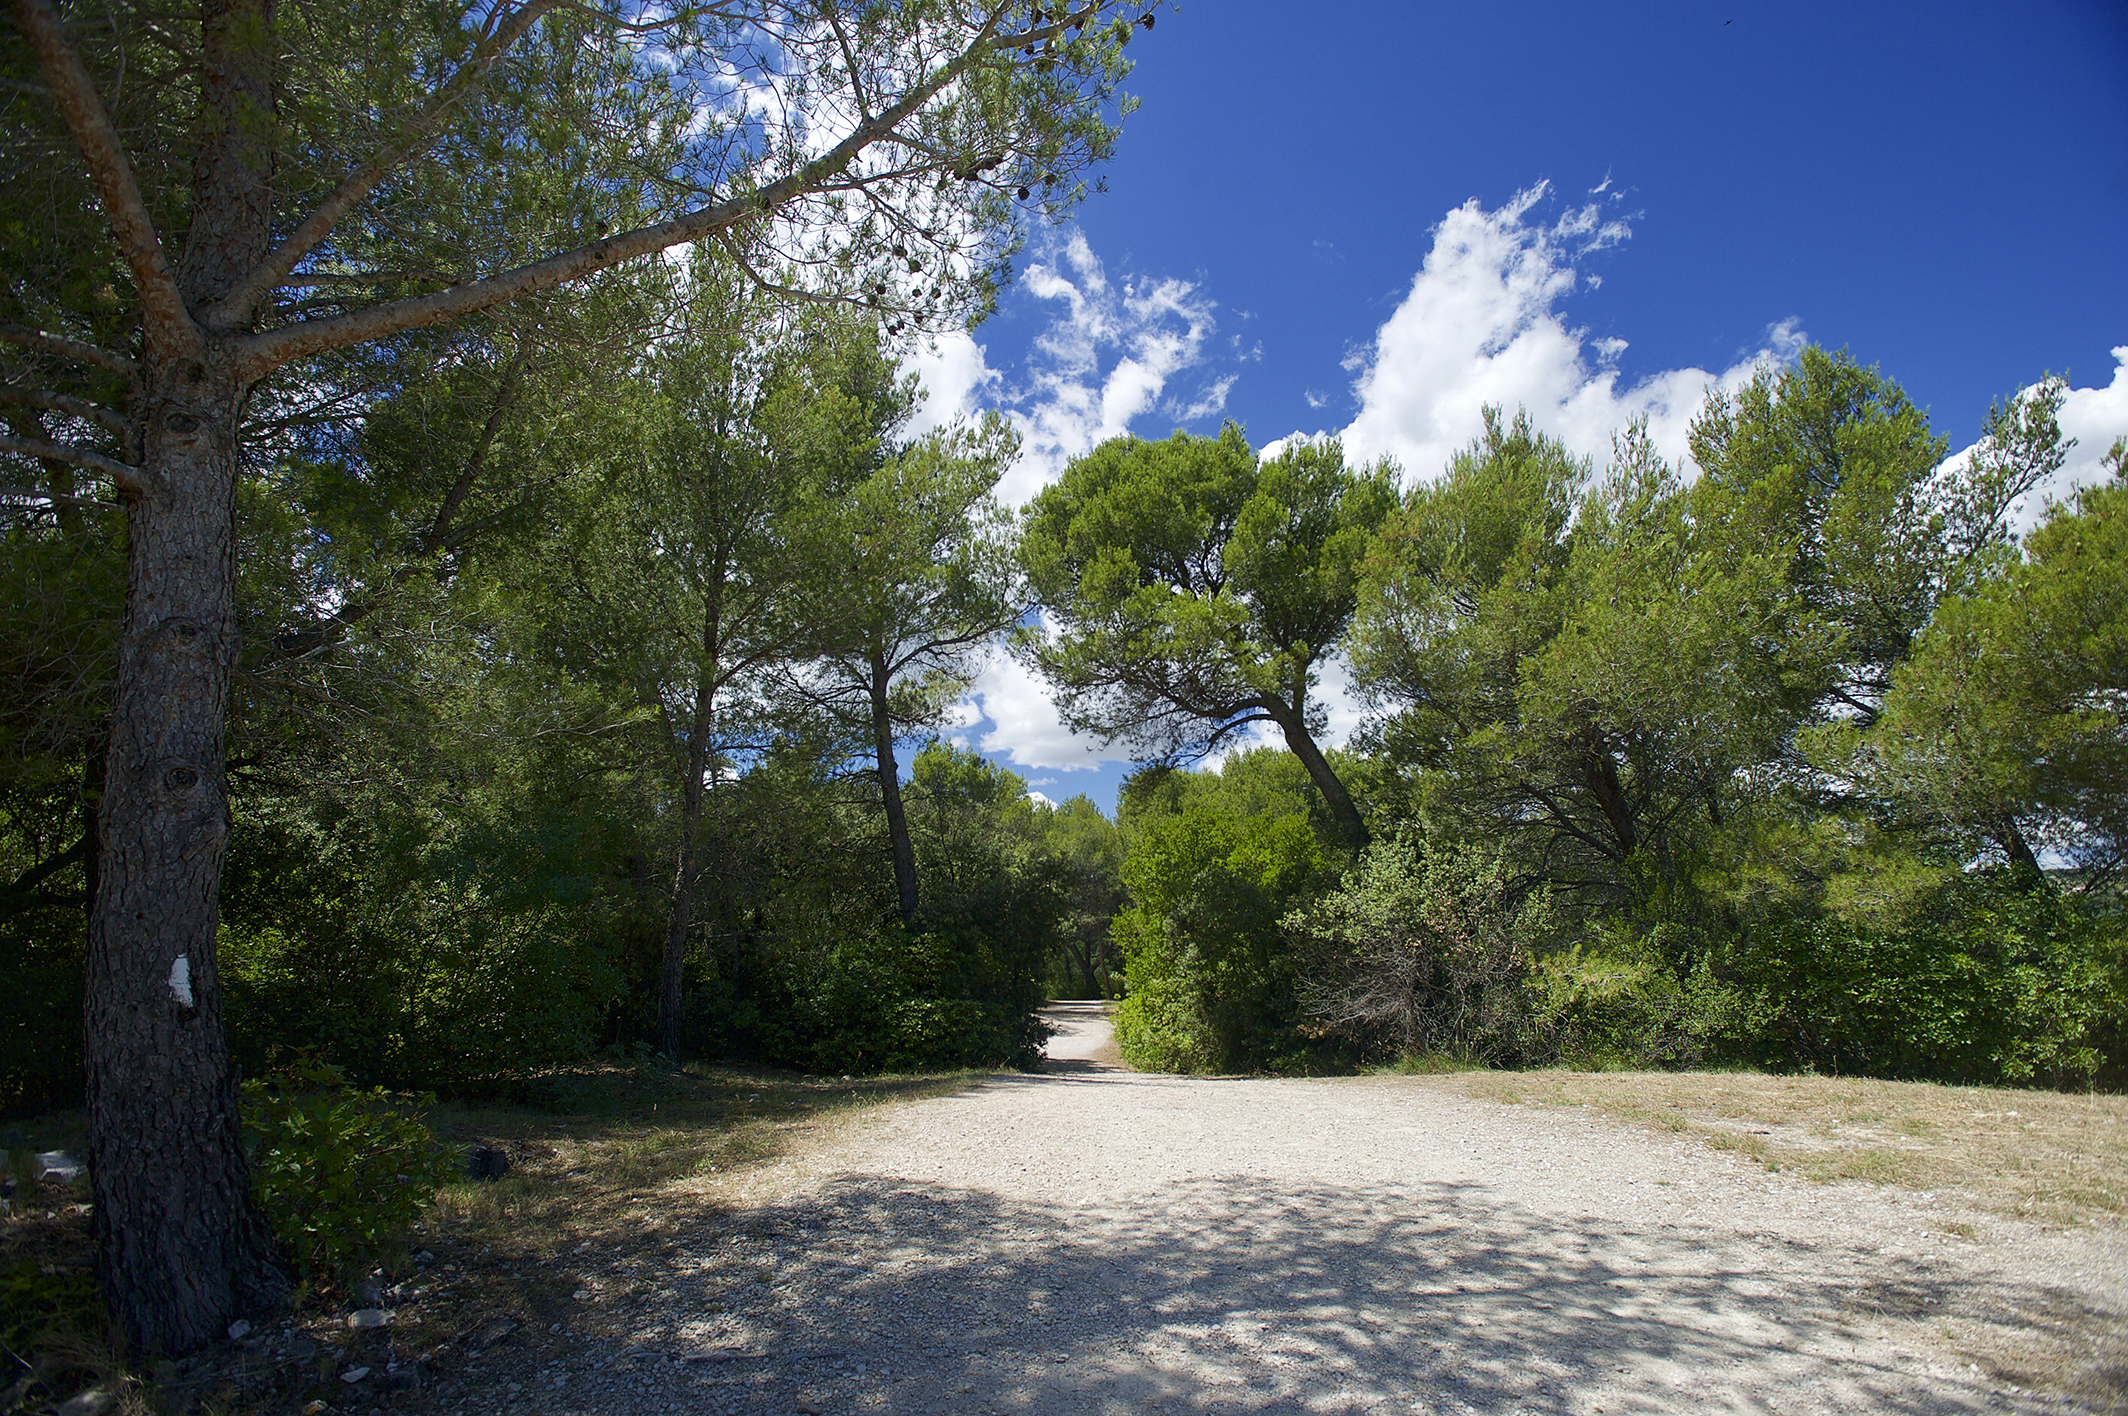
[[127, 478], [275, 347], [234, 310], [72, 350], [125, 211], [68, 404]]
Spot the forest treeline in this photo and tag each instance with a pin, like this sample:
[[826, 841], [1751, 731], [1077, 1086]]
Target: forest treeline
[[598, 657]]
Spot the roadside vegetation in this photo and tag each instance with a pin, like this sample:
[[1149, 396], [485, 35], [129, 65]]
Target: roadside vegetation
[[2056, 1158], [575, 633]]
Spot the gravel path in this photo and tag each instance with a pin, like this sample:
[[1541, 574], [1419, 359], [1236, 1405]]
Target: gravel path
[[1093, 1240]]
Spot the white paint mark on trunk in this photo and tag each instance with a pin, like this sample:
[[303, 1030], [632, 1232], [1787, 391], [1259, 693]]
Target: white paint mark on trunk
[[181, 981]]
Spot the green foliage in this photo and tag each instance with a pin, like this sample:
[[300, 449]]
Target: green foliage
[[2007, 724], [341, 1173], [1995, 978], [1210, 976], [880, 1001], [1199, 588], [1425, 949], [425, 955]]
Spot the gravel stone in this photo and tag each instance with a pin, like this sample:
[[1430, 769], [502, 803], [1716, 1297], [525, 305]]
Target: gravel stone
[[1091, 1240]]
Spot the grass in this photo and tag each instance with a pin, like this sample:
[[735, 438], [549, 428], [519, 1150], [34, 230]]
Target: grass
[[609, 1166], [2054, 1157]]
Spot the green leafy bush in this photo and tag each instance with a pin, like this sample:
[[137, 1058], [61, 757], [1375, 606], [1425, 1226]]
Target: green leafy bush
[[885, 1000], [1996, 978], [1210, 975], [1426, 948], [1621, 999], [340, 1172]]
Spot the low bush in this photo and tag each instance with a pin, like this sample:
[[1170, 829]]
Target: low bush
[[1425, 949], [340, 1172], [1995, 978]]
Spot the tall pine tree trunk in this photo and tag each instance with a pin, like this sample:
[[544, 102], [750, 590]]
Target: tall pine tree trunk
[[182, 1245], [672, 967], [890, 795], [1343, 810]]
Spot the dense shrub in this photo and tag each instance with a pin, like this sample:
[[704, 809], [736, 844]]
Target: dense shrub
[[1997, 978], [340, 1172], [1210, 974], [1425, 949], [414, 958], [879, 1001]]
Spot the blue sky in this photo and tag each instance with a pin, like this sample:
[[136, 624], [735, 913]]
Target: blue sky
[[1374, 225]]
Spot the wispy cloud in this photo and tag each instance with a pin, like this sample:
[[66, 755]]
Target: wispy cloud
[[1113, 352]]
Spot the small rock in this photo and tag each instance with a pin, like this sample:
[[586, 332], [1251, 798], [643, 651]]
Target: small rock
[[424, 1258], [370, 1292], [314, 1408], [93, 1402], [369, 1318], [354, 1374], [493, 1331], [581, 1294], [239, 1330]]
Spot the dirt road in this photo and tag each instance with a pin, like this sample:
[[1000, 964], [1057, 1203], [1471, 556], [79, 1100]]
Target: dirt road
[[1091, 1240]]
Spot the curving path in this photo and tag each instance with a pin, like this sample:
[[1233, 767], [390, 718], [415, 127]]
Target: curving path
[[1087, 1239]]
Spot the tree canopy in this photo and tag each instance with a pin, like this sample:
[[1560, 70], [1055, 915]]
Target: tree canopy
[[1197, 590]]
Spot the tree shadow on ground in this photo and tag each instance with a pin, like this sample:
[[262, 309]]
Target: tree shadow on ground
[[1234, 1295]]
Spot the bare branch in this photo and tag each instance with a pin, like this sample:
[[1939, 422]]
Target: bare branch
[[70, 405], [126, 477], [70, 349], [762, 282], [367, 277], [234, 309], [101, 148]]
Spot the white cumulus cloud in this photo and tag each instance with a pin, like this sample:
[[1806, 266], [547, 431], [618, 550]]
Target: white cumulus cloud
[[2096, 418], [1482, 325], [1024, 725]]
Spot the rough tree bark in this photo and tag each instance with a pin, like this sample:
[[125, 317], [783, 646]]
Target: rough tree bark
[[890, 795], [180, 1241]]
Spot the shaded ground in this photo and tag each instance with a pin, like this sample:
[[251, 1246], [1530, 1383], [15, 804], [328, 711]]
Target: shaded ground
[[1087, 1239]]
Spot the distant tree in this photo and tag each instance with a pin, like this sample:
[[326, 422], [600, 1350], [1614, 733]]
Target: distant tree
[[685, 569], [1090, 849], [1578, 668], [1198, 590], [911, 582], [2009, 721]]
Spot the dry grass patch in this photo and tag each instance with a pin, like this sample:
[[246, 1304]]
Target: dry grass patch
[[2054, 1157], [604, 1187]]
